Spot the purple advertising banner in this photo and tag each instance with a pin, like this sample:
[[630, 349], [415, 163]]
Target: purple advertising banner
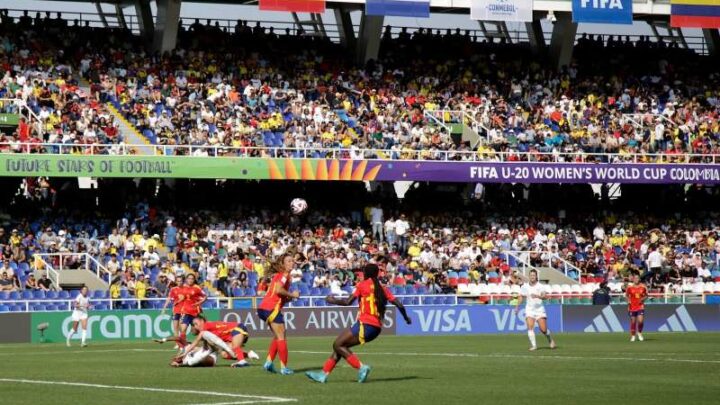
[[521, 172]]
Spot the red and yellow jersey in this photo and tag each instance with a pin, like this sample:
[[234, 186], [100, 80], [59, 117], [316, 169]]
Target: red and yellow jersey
[[175, 296], [636, 295], [191, 302], [272, 300], [223, 330], [369, 314]]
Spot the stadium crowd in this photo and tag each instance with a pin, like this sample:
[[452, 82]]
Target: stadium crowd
[[253, 87], [146, 250]]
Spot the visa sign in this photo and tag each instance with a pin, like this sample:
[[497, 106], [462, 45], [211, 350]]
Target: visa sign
[[602, 11], [470, 319]]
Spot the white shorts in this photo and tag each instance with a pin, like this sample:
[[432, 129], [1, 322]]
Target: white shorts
[[535, 313], [195, 358], [78, 316]]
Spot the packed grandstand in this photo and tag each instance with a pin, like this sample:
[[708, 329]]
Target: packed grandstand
[[256, 92]]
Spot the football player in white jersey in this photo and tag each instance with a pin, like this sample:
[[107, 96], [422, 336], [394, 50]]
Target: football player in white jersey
[[533, 293], [81, 304]]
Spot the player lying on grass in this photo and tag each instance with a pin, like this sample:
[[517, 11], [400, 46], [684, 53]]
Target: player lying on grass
[[229, 337], [373, 302]]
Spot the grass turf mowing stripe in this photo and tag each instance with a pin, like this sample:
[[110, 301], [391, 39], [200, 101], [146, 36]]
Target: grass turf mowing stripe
[[246, 399]]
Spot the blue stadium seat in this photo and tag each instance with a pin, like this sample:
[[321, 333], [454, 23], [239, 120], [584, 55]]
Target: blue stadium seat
[[410, 290], [14, 295], [39, 294], [421, 289], [428, 300], [4, 295], [4, 308], [38, 307], [325, 291], [63, 295], [27, 294], [17, 308], [51, 295], [449, 300]]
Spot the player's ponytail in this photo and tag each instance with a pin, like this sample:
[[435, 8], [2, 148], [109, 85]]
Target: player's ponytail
[[277, 265], [371, 271]]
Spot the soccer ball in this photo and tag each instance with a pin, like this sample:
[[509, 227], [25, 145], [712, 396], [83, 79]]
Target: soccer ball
[[298, 206]]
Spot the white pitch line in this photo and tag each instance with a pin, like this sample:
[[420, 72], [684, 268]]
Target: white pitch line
[[88, 351], [246, 399], [523, 356]]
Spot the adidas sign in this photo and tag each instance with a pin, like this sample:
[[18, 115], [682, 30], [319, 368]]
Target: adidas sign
[[607, 321], [680, 321]]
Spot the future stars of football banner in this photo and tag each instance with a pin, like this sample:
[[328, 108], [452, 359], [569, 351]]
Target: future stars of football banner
[[695, 13]]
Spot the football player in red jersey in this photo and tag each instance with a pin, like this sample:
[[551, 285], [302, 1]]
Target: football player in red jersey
[[636, 294], [373, 302], [191, 299], [174, 298], [270, 311]]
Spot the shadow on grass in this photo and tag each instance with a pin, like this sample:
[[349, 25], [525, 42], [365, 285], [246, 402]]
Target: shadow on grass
[[394, 379]]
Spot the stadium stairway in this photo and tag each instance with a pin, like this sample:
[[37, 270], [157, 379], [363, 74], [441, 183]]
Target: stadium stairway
[[130, 134]]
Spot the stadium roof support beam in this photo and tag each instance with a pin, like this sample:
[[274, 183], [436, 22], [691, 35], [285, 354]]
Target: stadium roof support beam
[[563, 40], [345, 27], [536, 37], [166, 26], [712, 39], [368, 44], [144, 18]]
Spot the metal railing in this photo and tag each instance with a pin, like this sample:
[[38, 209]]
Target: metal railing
[[52, 274], [547, 259], [32, 304], [344, 154], [333, 31], [87, 263], [572, 298], [24, 111]]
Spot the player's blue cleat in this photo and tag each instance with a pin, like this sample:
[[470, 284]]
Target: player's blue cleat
[[364, 373], [239, 364], [269, 367], [317, 376], [286, 371]]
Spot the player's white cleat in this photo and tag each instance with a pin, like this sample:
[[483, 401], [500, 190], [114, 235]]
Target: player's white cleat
[[176, 346], [67, 343], [640, 337], [552, 345], [84, 345], [532, 348], [241, 363], [253, 356], [632, 338]]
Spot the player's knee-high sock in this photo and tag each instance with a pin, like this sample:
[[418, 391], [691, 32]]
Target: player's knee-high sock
[[70, 335], [283, 351], [548, 336], [329, 365], [531, 336], [640, 325], [239, 353], [182, 339], [272, 351], [83, 335], [353, 361], [632, 327]]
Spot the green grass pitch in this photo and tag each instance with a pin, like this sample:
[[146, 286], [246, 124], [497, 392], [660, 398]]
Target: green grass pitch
[[492, 369]]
